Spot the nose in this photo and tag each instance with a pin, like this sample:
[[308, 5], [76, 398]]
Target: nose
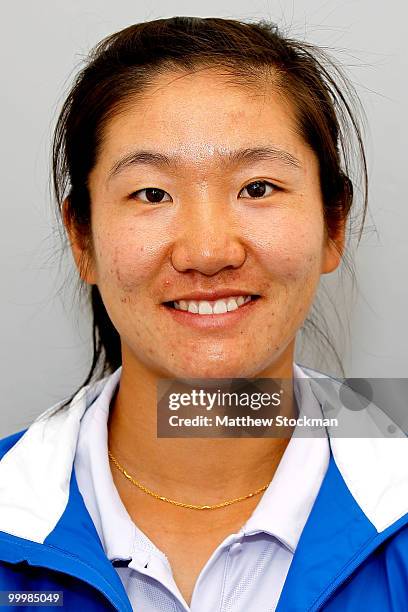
[[207, 239]]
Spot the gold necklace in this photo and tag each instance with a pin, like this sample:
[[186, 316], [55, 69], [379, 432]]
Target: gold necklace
[[176, 503]]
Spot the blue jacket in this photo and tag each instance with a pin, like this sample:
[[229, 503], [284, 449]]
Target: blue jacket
[[352, 554]]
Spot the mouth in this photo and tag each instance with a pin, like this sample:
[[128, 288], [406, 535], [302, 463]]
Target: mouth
[[204, 308]]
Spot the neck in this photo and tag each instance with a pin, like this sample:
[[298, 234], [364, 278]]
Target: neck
[[191, 470]]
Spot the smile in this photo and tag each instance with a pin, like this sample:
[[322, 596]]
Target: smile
[[215, 307], [215, 315]]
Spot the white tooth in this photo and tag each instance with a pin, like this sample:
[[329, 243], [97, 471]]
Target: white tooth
[[192, 307], [204, 308], [232, 304], [219, 307]]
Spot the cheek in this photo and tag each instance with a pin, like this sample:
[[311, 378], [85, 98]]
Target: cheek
[[291, 249], [126, 258]]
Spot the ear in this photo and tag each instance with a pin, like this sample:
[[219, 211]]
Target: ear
[[333, 250], [80, 253]]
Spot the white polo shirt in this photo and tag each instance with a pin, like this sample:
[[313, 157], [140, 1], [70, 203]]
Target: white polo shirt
[[246, 572]]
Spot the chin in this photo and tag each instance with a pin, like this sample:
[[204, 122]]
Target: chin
[[216, 370]]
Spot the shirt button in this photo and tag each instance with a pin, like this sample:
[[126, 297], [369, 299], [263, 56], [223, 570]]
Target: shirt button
[[235, 548]]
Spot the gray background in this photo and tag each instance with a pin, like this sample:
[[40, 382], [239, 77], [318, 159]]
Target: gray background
[[45, 336]]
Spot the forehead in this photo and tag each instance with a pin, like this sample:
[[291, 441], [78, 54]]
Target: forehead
[[200, 115]]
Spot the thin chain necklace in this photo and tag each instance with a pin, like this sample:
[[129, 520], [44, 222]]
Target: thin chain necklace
[[177, 503]]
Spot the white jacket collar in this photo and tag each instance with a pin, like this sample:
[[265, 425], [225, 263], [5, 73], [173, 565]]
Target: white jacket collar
[[35, 473]]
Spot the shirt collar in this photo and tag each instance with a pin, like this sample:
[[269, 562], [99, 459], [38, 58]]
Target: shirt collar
[[118, 533], [286, 504]]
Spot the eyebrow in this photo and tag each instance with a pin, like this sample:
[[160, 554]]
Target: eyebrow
[[240, 156]]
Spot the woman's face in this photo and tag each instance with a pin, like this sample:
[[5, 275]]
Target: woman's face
[[202, 186]]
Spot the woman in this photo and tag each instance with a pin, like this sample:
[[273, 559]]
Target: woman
[[199, 169]]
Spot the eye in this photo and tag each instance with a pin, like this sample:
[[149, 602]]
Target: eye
[[151, 194], [259, 189]]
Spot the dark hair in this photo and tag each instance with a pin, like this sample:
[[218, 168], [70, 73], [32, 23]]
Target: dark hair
[[125, 63]]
